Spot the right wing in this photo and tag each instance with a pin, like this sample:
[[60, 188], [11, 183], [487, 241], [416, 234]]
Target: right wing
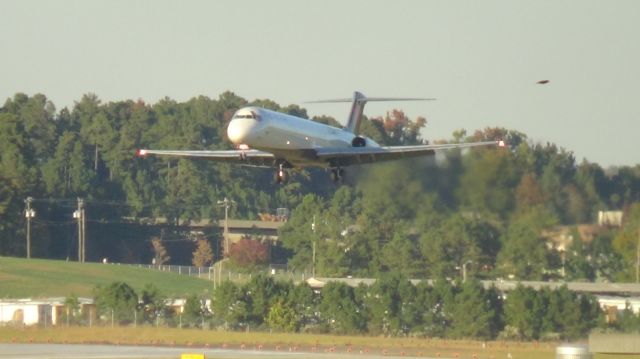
[[244, 157], [360, 155]]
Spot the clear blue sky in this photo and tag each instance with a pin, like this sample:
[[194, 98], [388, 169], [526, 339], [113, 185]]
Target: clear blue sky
[[481, 59]]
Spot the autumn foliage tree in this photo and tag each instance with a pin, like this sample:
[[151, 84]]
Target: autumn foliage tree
[[203, 255], [399, 129], [160, 255], [249, 253]]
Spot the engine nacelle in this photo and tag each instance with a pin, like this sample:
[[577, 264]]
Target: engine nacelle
[[359, 141]]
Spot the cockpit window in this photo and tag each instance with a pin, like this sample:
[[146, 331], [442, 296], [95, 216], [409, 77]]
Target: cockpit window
[[251, 115]]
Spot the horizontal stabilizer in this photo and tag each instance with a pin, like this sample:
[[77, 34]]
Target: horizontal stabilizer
[[372, 99], [358, 101]]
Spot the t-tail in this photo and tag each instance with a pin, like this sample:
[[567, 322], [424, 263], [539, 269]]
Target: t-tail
[[355, 117], [357, 107]]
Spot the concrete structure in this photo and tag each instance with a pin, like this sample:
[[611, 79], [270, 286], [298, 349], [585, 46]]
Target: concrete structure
[[614, 343], [612, 297], [559, 238], [619, 289], [622, 289], [238, 228]]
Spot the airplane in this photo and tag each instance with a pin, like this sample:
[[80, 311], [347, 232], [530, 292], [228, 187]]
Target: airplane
[[265, 138]]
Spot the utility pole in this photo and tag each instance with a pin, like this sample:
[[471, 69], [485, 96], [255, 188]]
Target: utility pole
[[79, 215], [29, 213], [638, 258], [227, 204], [84, 237], [313, 251], [563, 257], [464, 270]]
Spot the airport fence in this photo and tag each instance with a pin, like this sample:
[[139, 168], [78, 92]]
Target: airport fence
[[218, 272]]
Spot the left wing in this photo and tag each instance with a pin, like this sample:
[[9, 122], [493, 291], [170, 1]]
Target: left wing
[[360, 155], [244, 157]]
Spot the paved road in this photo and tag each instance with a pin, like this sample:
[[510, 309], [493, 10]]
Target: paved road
[[71, 351], [82, 351]]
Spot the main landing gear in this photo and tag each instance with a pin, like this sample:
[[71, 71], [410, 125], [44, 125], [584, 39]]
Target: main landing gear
[[337, 175], [281, 175]]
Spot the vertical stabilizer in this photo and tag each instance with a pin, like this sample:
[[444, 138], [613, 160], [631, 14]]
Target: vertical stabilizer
[[357, 107]]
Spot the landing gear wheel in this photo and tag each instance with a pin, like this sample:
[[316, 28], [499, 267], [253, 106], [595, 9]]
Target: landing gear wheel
[[281, 175], [337, 175]]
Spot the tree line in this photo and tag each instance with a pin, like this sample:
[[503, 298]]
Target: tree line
[[483, 211], [486, 214], [392, 306]]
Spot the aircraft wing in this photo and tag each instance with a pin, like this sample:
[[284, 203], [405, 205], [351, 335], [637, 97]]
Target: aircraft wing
[[361, 155], [254, 158]]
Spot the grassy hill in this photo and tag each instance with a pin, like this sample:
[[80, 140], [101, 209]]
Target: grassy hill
[[37, 278]]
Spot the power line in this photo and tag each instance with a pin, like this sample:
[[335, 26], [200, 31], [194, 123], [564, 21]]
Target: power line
[[45, 222], [72, 203]]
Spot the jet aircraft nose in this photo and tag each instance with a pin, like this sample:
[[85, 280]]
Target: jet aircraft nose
[[241, 128]]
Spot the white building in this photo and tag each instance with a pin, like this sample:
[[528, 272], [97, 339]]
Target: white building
[[51, 311], [610, 218], [620, 303], [24, 311], [28, 311]]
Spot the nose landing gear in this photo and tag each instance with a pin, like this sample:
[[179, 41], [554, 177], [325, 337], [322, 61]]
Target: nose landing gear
[[337, 175], [281, 175]]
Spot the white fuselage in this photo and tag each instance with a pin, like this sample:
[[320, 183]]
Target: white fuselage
[[267, 138], [286, 136]]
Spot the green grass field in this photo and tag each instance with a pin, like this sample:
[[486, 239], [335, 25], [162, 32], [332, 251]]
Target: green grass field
[[37, 278], [358, 345], [417, 347]]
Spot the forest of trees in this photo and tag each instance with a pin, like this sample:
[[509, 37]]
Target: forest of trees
[[392, 306], [481, 210]]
